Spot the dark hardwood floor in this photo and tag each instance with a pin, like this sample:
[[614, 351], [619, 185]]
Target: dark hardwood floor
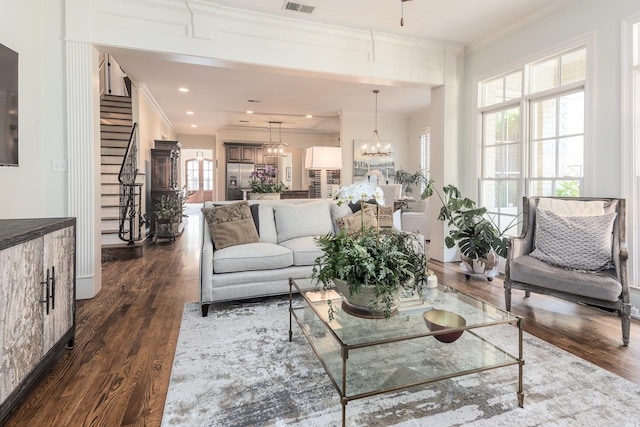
[[119, 370]]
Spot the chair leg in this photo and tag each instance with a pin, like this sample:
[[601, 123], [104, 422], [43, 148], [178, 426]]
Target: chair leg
[[625, 318], [507, 298]]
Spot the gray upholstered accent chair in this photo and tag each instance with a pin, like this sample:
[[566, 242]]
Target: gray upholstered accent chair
[[607, 288]]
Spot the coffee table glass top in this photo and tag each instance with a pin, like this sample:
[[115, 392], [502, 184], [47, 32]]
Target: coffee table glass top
[[354, 332]]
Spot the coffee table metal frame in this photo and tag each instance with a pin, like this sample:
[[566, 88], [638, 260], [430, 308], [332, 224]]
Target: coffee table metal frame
[[404, 329]]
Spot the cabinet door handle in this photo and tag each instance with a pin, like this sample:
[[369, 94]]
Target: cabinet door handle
[[46, 287], [53, 288]]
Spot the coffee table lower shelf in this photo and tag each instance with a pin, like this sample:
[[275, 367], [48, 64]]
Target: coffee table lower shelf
[[390, 360]]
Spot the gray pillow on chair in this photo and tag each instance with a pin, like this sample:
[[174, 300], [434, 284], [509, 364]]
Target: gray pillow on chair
[[574, 242]]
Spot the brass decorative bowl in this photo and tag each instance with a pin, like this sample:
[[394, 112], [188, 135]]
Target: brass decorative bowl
[[439, 320]]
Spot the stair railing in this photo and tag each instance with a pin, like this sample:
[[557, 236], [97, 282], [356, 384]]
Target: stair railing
[[130, 214]]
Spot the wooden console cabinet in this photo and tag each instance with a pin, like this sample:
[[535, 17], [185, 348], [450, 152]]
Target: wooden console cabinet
[[37, 302], [164, 174]]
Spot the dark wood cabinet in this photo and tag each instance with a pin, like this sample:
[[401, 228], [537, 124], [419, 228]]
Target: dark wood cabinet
[[261, 159], [234, 154], [248, 153], [164, 172]]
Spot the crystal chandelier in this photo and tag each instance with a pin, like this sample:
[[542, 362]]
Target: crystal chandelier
[[375, 148], [275, 148]]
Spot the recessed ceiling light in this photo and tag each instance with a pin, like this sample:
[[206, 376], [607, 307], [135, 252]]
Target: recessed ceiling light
[[249, 111], [183, 89], [309, 116], [191, 113], [194, 126]]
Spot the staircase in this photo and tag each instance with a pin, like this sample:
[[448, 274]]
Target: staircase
[[115, 130]]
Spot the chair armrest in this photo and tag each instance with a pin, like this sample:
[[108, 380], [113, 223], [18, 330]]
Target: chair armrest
[[624, 253], [518, 247]]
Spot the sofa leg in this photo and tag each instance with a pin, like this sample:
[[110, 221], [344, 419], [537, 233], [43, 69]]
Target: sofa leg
[[205, 309], [527, 294], [625, 318]]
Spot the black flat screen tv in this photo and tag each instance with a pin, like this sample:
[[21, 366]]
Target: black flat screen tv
[[8, 107]]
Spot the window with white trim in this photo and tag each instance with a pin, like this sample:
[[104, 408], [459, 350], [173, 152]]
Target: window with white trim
[[532, 133]]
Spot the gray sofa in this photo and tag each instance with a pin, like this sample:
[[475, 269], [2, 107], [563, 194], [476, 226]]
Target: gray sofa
[[286, 249]]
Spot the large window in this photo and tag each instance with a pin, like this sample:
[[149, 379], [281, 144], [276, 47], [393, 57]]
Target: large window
[[532, 123]]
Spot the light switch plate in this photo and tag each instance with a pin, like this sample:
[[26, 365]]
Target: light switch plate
[[58, 165]]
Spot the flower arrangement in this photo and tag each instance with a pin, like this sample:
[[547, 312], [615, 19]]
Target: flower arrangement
[[359, 192], [264, 181]]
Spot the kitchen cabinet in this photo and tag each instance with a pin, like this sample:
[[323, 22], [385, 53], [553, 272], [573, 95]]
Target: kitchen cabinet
[[37, 302]]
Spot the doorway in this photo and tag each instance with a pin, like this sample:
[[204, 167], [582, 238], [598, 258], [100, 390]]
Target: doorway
[[199, 178]]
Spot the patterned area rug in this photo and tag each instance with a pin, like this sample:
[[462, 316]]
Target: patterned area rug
[[236, 367]]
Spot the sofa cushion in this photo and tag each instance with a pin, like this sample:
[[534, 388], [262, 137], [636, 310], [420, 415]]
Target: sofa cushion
[[602, 285], [231, 225], [305, 250], [268, 233], [251, 256], [305, 219], [575, 242]]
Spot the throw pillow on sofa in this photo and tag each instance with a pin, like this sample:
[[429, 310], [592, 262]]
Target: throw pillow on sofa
[[231, 225], [384, 214], [353, 223]]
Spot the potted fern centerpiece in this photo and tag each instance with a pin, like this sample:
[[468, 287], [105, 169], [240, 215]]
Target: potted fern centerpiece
[[368, 265]]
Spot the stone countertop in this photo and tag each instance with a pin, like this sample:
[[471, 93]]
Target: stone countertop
[[16, 231]]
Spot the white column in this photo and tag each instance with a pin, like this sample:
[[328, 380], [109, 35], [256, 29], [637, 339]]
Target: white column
[[445, 113], [83, 141]]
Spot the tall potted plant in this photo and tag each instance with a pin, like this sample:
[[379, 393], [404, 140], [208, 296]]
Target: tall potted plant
[[264, 184], [369, 266], [478, 237]]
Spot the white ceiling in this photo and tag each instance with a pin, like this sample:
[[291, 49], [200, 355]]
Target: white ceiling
[[219, 93]]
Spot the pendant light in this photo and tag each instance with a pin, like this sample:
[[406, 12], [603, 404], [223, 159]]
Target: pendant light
[[375, 147], [275, 148]]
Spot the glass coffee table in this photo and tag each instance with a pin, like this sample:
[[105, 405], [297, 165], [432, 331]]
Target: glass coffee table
[[365, 357]]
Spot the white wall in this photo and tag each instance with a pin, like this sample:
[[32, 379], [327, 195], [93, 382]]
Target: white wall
[[33, 28]]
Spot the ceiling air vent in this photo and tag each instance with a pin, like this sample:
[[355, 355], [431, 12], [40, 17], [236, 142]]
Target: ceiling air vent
[[297, 7]]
